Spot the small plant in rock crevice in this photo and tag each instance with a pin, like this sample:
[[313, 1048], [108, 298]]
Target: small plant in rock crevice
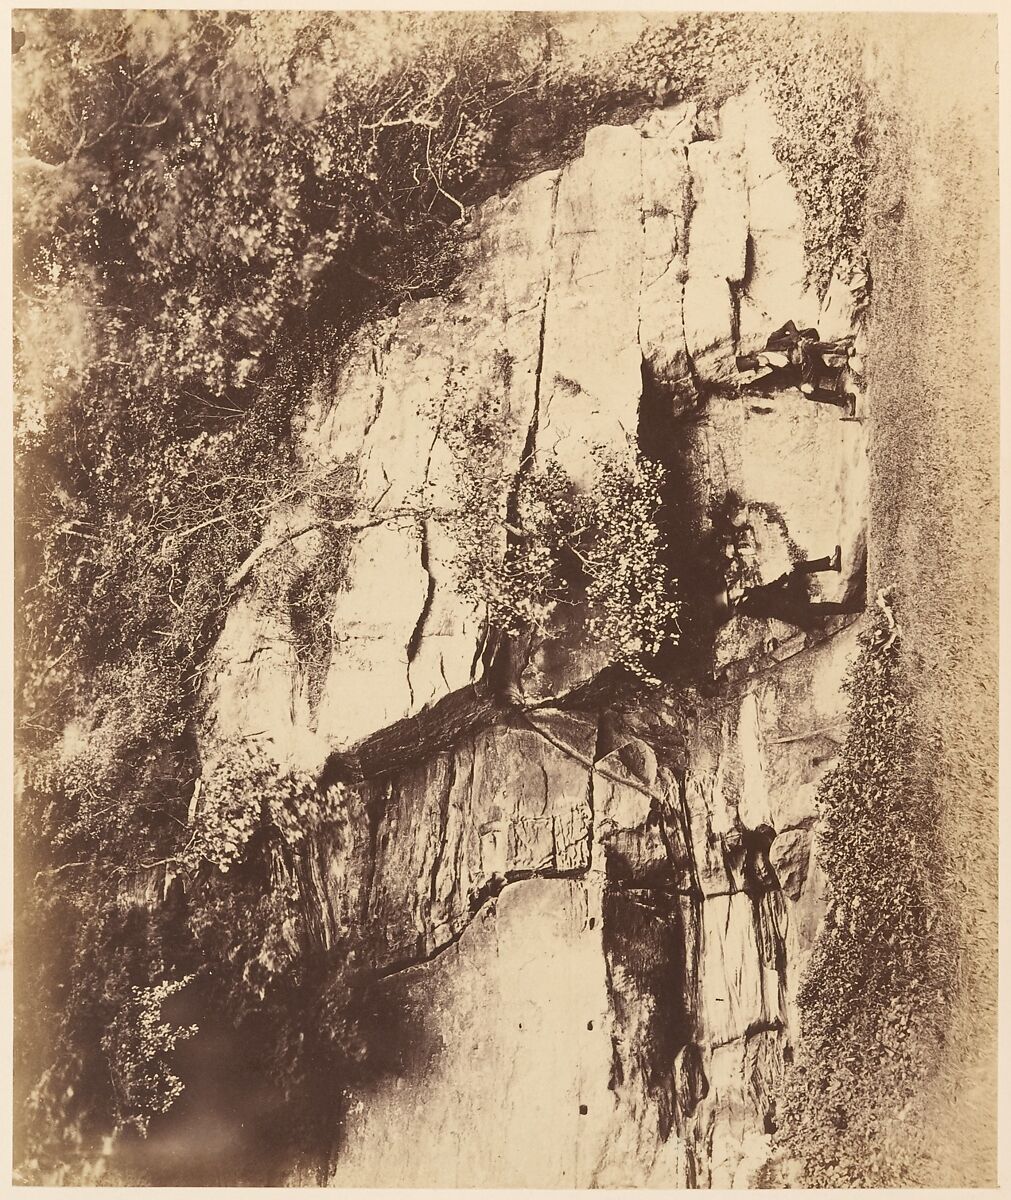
[[244, 795], [532, 544], [597, 552]]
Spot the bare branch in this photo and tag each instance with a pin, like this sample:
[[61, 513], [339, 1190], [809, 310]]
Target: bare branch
[[417, 114], [438, 181], [57, 870], [355, 524], [78, 533], [178, 537]]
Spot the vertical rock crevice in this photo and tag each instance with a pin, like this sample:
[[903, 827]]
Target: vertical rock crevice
[[673, 925], [414, 642], [508, 656]]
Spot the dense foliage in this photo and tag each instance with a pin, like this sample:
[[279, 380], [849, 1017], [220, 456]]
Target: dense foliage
[[139, 1046], [205, 205], [874, 995], [598, 553]]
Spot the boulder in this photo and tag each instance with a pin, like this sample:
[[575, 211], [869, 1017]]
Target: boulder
[[789, 855]]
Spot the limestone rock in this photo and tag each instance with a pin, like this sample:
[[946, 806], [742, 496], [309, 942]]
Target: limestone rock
[[521, 997], [630, 266], [590, 378], [666, 207], [740, 979]]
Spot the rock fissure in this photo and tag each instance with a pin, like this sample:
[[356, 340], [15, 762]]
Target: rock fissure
[[414, 642], [482, 906], [689, 358], [753, 1031], [530, 444], [377, 367], [664, 842], [441, 840]]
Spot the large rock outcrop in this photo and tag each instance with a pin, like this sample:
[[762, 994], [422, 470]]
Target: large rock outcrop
[[589, 925], [561, 930], [659, 252]]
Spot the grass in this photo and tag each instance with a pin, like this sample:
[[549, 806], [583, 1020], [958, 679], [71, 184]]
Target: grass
[[903, 1091], [874, 997], [934, 533]]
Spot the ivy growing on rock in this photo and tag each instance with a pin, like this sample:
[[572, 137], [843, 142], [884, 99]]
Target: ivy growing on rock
[[874, 995], [531, 542]]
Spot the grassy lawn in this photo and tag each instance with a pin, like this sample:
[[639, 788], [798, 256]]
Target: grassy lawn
[[895, 1082], [934, 519]]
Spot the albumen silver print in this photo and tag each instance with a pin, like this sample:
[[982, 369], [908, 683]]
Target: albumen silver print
[[506, 552]]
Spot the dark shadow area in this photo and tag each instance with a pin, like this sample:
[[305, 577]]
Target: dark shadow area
[[691, 560], [412, 739], [224, 1129], [644, 948]]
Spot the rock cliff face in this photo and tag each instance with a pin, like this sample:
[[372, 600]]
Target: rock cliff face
[[590, 922]]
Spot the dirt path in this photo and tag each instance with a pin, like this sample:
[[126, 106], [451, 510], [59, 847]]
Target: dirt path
[[934, 525]]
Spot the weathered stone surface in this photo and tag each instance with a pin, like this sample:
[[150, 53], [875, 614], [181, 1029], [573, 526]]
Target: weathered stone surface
[[790, 855], [741, 942], [634, 263], [504, 803], [719, 225], [666, 206], [590, 376], [743, 1079], [565, 919], [519, 1001]]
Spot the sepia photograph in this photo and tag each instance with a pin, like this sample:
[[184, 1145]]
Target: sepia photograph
[[505, 576]]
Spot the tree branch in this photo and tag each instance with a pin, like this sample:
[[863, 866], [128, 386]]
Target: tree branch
[[437, 181], [173, 537], [352, 524]]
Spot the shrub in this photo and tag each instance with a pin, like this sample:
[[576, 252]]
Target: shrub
[[245, 795], [599, 552], [139, 1047], [825, 110], [632, 597]]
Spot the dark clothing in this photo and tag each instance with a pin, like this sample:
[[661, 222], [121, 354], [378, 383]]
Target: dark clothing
[[818, 367], [823, 366], [786, 598], [784, 606], [788, 337]]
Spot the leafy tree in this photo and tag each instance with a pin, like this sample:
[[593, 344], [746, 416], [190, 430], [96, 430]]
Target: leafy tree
[[139, 1045]]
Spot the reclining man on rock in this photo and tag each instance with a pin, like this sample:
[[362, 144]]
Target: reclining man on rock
[[787, 598], [793, 355]]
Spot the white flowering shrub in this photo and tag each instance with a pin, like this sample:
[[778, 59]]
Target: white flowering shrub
[[246, 793], [633, 605], [139, 1046]]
